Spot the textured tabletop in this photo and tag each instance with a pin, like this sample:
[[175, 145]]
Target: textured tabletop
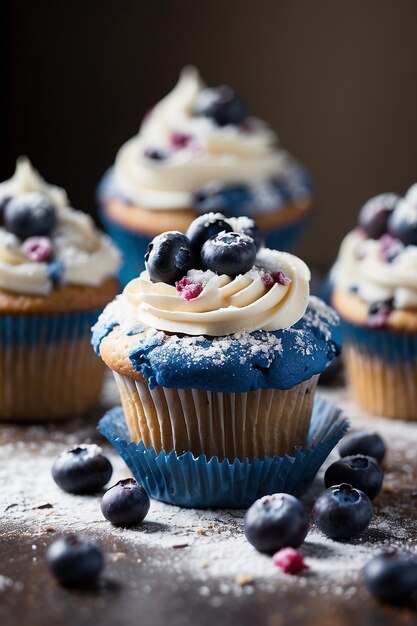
[[185, 567]]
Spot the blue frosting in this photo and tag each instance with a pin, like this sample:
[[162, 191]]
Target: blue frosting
[[235, 363]]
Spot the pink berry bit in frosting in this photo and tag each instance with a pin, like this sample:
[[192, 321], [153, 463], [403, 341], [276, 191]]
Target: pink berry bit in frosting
[[38, 249], [279, 277], [187, 289], [290, 561], [180, 140]]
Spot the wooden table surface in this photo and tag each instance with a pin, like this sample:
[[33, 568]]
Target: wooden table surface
[[186, 567]]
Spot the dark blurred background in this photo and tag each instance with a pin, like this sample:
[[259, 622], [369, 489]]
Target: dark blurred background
[[336, 79]]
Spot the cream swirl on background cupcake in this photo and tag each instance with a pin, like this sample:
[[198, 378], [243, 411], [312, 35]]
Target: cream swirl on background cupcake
[[381, 265], [73, 252], [178, 152]]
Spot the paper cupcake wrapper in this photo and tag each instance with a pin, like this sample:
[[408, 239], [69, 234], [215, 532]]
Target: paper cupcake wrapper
[[233, 425], [285, 237], [48, 369], [393, 347], [381, 367], [189, 481]]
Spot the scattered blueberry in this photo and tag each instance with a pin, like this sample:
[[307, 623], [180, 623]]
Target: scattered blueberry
[[155, 155], [369, 444], [168, 257], [125, 504], [82, 470], [247, 226], [392, 577], [290, 561], [29, 215], [222, 105], [231, 200], [342, 512], [373, 217], [75, 561], [38, 249], [402, 223], [362, 472], [275, 522], [202, 228], [229, 253]]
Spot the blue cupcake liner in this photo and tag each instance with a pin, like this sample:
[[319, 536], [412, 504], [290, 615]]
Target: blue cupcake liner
[[188, 481], [394, 347], [31, 329]]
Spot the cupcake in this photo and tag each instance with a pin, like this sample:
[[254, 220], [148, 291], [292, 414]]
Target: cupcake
[[216, 347], [56, 275], [198, 150], [374, 290]]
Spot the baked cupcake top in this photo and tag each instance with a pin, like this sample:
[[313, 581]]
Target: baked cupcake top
[[212, 312], [200, 148], [44, 243], [376, 269]]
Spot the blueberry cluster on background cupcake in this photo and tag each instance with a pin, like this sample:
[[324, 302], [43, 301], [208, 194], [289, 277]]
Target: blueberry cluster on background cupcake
[[374, 285], [216, 347], [199, 150], [57, 272]]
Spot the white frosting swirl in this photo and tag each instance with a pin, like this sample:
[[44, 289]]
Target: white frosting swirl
[[26, 179], [226, 305], [218, 154], [361, 265], [86, 256]]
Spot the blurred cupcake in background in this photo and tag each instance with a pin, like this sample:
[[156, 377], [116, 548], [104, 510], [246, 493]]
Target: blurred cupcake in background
[[57, 272], [374, 284], [200, 150]]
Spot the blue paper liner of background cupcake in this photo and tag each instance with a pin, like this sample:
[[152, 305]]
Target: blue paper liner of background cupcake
[[187, 481]]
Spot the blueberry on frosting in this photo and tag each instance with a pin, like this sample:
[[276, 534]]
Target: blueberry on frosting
[[229, 253], [374, 215], [222, 105], [168, 258], [402, 223], [202, 229], [30, 214]]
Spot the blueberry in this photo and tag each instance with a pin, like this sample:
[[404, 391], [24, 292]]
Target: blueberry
[[369, 444], [402, 223], [362, 472], [247, 226], [229, 253], [231, 200], [203, 228], [30, 214], [125, 504], [168, 257], [222, 105], [342, 512], [392, 577], [275, 522], [82, 470], [75, 561], [374, 215]]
